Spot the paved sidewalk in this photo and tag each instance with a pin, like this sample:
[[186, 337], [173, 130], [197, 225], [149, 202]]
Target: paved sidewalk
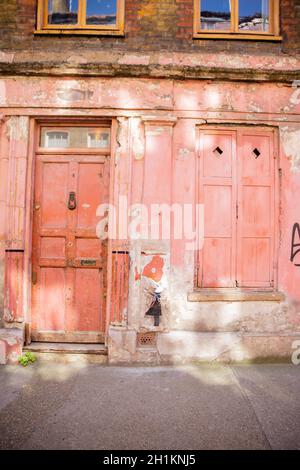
[[80, 406]]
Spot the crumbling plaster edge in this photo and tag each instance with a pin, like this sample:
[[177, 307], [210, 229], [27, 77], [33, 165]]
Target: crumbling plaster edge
[[148, 71]]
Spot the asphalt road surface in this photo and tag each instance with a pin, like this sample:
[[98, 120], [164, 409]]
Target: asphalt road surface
[[86, 406]]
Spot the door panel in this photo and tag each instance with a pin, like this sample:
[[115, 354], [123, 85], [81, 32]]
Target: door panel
[[256, 210], [53, 207], [53, 247], [217, 263], [256, 261], [88, 297], [69, 261], [52, 292], [218, 199], [255, 225], [90, 192], [217, 155], [217, 193]]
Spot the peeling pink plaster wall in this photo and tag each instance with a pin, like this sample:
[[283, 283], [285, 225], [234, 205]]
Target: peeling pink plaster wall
[[149, 169], [288, 271]]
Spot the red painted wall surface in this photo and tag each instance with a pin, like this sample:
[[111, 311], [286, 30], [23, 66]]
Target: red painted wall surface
[[155, 160]]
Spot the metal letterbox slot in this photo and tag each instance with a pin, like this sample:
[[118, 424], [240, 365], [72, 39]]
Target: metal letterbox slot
[[88, 262]]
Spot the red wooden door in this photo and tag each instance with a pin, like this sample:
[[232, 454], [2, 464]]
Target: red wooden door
[[68, 295], [237, 188]]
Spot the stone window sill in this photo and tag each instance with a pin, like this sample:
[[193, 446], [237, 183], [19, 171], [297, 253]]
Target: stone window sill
[[237, 36], [87, 32], [233, 295]]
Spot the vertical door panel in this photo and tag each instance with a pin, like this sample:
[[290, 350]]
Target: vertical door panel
[[88, 312], [90, 194], [255, 264], [217, 183], [218, 204], [255, 228], [256, 210], [54, 195], [88, 304], [52, 294], [49, 239], [217, 256]]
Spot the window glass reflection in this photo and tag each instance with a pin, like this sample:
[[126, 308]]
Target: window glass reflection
[[215, 14], [101, 12], [56, 139], [254, 15], [62, 11]]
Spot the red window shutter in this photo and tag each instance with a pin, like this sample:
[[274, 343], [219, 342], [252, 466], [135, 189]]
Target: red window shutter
[[217, 182], [256, 205]]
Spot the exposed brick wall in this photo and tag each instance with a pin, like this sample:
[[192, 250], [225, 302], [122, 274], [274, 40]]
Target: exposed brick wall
[[290, 18], [149, 25]]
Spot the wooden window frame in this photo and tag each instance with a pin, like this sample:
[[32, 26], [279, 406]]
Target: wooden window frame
[[43, 27], [272, 35]]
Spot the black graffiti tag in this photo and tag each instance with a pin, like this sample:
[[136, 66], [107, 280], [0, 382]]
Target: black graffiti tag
[[295, 243]]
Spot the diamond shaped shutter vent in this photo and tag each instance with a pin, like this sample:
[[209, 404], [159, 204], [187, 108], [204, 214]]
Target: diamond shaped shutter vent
[[218, 151], [256, 152]]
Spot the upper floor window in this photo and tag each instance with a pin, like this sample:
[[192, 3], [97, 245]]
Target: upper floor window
[[237, 19], [81, 17]]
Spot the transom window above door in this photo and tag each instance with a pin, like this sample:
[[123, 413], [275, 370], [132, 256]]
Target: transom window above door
[[237, 19], [80, 17], [75, 138]]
